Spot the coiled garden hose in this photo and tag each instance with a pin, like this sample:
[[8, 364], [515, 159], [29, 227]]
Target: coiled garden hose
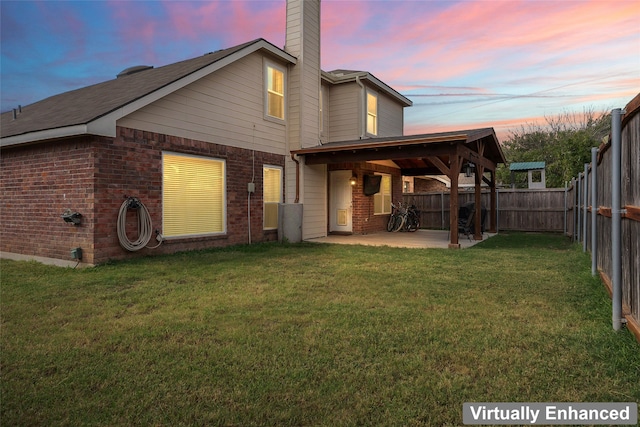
[[145, 228]]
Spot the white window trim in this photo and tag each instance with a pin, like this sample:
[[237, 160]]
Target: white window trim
[[270, 64], [280, 196], [224, 197]]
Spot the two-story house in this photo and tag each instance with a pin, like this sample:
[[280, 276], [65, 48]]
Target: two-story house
[[230, 147]]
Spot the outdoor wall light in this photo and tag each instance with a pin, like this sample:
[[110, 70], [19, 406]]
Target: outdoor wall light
[[71, 217], [353, 180], [469, 169]]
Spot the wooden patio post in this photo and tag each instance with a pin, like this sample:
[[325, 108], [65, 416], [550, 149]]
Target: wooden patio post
[[477, 232], [454, 171], [493, 215]]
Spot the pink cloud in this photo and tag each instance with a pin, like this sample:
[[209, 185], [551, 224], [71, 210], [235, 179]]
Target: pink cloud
[[470, 37], [138, 36], [231, 22], [187, 19], [344, 20], [503, 127]]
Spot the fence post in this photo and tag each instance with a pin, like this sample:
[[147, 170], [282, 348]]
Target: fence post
[[574, 191], [442, 210], [497, 210], [616, 220], [584, 207], [566, 184], [579, 208], [594, 210]]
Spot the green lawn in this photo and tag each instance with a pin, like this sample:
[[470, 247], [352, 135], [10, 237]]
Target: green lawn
[[309, 334]]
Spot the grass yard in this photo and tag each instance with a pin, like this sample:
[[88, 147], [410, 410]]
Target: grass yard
[[309, 335]]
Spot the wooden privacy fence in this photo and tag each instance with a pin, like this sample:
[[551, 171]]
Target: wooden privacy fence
[[622, 262], [615, 244], [517, 209]]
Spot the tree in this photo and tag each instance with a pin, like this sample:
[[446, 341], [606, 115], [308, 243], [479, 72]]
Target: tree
[[563, 143]]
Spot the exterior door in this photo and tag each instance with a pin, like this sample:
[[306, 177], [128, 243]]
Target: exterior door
[[340, 206]]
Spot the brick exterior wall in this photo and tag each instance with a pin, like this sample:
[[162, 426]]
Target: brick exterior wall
[[421, 185], [38, 183], [93, 176], [363, 219]]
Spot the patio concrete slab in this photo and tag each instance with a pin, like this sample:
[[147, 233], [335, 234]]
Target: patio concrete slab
[[418, 239]]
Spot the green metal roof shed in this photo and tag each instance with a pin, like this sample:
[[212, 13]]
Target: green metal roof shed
[[534, 181], [525, 166]]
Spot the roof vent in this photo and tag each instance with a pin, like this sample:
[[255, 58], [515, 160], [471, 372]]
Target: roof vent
[[133, 70]]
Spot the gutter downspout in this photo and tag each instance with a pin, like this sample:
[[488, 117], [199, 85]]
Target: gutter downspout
[[297, 200], [616, 219], [594, 210], [364, 103]]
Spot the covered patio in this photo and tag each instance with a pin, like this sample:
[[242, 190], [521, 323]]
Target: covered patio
[[477, 151], [419, 239]]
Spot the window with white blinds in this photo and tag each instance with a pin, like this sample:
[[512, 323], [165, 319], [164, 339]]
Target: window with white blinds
[[193, 195], [272, 195], [382, 199]]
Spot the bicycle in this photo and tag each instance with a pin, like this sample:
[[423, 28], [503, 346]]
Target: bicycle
[[412, 219], [395, 213], [399, 218]]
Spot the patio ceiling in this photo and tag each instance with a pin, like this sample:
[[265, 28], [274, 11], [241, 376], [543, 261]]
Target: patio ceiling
[[425, 154]]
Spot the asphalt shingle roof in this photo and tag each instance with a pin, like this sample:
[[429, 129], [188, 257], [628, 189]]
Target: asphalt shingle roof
[[83, 105]]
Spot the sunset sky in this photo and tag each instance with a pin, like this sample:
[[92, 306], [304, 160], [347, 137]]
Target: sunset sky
[[464, 64]]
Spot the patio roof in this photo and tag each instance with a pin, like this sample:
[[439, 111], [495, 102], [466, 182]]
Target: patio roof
[[424, 154]]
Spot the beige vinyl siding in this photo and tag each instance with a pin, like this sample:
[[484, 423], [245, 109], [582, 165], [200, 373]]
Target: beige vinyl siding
[[311, 70], [289, 180], [304, 79], [390, 116], [293, 27], [225, 107], [315, 201], [293, 110], [324, 114], [293, 46], [345, 110]]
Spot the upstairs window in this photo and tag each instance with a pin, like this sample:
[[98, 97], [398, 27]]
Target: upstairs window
[[275, 91], [372, 113]]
